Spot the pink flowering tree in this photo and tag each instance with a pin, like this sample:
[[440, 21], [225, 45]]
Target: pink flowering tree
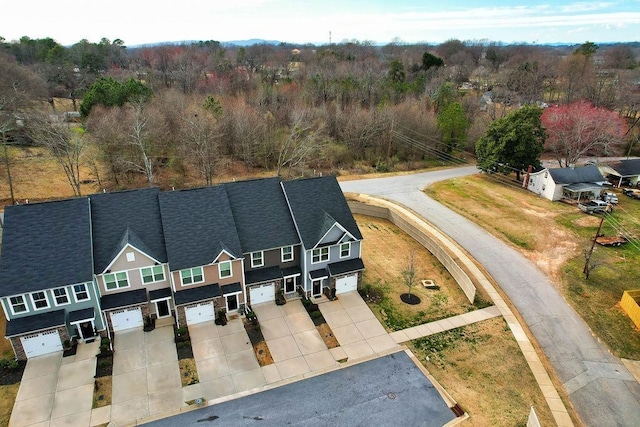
[[580, 129]]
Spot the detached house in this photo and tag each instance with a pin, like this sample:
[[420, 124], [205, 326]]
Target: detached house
[[331, 240], [47, 289], [104, 263], [569, 183]]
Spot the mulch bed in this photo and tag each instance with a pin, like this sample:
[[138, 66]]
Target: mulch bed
[[371, 295], [183, 343], [411, 299], [104, 365], [12, 376], [260, 346]]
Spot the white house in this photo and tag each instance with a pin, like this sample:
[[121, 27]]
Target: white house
[[569, 183]]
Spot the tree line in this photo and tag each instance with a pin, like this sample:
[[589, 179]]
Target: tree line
[[202, 107]]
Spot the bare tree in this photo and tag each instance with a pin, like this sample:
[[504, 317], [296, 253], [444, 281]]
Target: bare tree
[[303, 140], [202, 135], [66, 143], [410, 272], [140, 138]]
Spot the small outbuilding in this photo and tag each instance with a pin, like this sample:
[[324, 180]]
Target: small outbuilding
[[622, 172], [578, 183]]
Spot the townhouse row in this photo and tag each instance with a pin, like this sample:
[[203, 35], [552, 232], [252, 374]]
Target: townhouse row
[[103, 263]]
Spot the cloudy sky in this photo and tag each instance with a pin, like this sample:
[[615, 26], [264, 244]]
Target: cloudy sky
[[381, 21]]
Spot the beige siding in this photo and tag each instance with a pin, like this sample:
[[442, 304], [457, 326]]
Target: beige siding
[[211, 275], [133, 272], [141, 260]]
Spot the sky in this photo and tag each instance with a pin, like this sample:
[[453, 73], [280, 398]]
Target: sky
[[139, 22]]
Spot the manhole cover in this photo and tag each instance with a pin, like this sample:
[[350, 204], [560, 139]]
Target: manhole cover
[[260, 351], [391, 395]]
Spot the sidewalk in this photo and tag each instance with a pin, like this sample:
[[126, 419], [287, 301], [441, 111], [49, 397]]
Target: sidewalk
[[442, 325]]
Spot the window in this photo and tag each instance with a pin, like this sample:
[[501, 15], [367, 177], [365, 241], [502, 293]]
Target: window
[[131, 256], [191, 275], [224, 268], [287, 253], [152, 274], [60, 296], [345, 250], [39, 300], [257, 259], [116, 280], [80, 292], [18, 304], [320, 254]]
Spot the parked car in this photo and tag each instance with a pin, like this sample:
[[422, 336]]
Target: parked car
[[609, 197], [631, 192], [595, 206]]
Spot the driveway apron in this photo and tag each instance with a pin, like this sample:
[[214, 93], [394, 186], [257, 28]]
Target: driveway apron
[[146, 375], [57, 391]]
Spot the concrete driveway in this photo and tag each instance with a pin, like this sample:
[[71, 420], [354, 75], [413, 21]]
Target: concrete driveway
[[57, 391], [146, 375], [601, 389]]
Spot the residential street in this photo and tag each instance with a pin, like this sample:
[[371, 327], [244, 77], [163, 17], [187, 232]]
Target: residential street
[[601, 389]]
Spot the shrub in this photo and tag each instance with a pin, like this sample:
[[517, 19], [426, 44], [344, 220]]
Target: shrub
[[9, 363], [182, 331], [315, 314], [103, 363]]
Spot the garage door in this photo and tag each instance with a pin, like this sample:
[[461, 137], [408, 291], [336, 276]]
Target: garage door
[[264, 293], [42, 343], [199, 313], [126, 319], [347, 284]]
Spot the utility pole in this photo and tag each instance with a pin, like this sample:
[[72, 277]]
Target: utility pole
[[585, 270]]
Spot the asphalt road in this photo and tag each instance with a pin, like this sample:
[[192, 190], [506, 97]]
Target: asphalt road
[[601, 389]]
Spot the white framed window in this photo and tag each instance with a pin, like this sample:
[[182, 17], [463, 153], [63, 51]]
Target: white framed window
[[224, 269], [18, 304], [60, 296], [39, 300], [116, 280], [131, 256], [80, 292], [320, 255], [152, 274], [345, 250], [257, 259], [190, 276], [286, 253]]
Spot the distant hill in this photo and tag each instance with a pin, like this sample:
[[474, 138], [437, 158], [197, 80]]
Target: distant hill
[[250, 42]]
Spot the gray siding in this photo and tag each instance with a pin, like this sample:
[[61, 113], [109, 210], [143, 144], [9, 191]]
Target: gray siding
[[334, 256], [273, 258]]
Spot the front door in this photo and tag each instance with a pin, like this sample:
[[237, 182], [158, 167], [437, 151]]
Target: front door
[[317, 287], [86, 330], [289, 285], [163, 308], [232, 302]]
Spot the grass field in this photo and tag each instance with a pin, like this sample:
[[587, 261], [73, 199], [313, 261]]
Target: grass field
[[469, 362], [554, 236]]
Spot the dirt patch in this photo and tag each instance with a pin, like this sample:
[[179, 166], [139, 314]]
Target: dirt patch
[[102, 392], [327, 335], [263, 354], [188, 372]]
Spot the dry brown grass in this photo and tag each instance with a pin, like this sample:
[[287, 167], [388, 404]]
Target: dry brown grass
[[102, 392], [480, 365], [8, 395], [5, 345], [188, 372]]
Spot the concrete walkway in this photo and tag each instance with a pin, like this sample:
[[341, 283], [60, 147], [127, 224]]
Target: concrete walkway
[[447, 324], [57, 391]]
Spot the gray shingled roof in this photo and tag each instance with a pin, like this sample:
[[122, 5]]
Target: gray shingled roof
[[261, 214], [314, 202], [625, 168], [574, 175], [198, 225], [35, 323], [123, 217], [45, 245]]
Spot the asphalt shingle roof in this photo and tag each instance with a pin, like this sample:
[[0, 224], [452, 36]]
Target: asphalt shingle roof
[[261, 214], [347, 266], [45, 245], [315, 203], [201, 293], [34, 323], [628, 167], [574, 175], [126, 217], [198, 225], [123, 299]]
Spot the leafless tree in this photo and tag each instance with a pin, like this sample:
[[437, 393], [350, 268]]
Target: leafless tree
[[410, 272], [304, 139], [202, 136], [140, 137]]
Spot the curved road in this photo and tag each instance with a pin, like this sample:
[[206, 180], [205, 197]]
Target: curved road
[[601, 389]]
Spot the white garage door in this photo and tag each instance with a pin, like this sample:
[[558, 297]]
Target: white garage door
[[347, 284], [199, 313], [264, 293], [126, 319], [42, 343]]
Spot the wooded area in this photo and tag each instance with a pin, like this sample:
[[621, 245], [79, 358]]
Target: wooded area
[[177, 115]]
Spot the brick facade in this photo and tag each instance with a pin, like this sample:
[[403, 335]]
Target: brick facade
[[16, 343]]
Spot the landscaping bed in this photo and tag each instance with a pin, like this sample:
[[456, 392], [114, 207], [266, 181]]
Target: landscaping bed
[[260, 347], [186, 362], [320, 323], [104, 373]]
